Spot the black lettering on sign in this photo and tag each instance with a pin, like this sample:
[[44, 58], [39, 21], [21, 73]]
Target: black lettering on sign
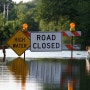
[[57, 45], [46, 37], [19, 39], [53, 37], [35, 45], [43, 37], [48, 45], [19, 45], [53, 45], [38, 37], [43, 45], [38, 46]]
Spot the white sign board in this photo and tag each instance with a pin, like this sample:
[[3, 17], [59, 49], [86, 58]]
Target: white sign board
[[44, 41]]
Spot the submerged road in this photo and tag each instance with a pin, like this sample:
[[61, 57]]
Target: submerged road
[[60, 54]]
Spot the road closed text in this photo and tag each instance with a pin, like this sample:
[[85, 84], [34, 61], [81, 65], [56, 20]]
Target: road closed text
[[45, 41], [46, 45]]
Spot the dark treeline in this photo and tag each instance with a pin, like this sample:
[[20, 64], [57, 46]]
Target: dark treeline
[[46, 15]]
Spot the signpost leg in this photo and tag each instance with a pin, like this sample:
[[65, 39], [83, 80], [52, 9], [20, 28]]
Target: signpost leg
[[24, 56], [4, 52], [72, 46], [70, 82]]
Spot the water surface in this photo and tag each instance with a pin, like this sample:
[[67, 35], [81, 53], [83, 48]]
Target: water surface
[[44, 74]]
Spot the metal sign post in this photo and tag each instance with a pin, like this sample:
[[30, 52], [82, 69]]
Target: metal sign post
[[24, 56], [72, 49], [72, 28]]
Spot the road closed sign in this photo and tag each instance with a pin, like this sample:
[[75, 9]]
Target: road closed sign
[[44, 41]]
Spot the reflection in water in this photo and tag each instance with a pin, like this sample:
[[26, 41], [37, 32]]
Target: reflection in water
[[55, 74], [14, 76], [88, 60], [71, 77], [70, 85], [88, 66], [19, 69], [39, 75]]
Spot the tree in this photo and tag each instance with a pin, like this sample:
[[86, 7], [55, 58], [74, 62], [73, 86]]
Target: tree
[[55, 14], [55, 11], [83, 22]]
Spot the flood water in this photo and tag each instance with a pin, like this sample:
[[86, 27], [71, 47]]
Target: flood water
[[44, 74]]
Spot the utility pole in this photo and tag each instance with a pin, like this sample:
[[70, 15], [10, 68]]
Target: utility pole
[[4, 10], [7, 12]]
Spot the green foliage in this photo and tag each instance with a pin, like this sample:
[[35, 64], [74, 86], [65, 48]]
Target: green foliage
[[62, 25], [47, 15], [18, 14], [1, 28], [5, 2], [52, 13], [6, 30], [83, 22]]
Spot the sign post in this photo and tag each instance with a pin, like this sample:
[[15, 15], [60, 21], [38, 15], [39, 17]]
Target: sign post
[[72, 29], [43, 41], [25, 26], [70, 82]]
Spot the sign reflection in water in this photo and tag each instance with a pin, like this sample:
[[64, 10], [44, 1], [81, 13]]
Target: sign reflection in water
[[14, 76], [47, 74], [88, 60], [55, 74], [19, 69], [88, 67]]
